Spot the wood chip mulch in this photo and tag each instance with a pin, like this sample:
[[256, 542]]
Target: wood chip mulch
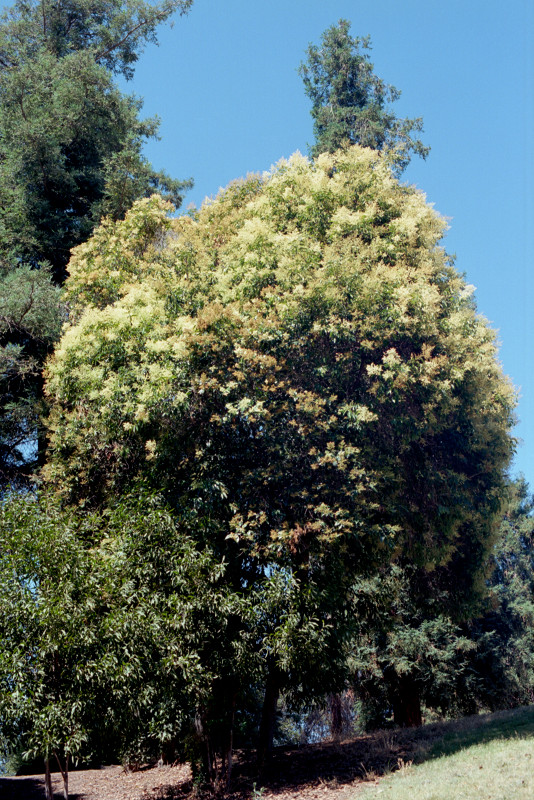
[[326, 771]]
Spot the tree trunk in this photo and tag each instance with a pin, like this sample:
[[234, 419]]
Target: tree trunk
[[64, 775], [228, 745], [227, 756], [203, 738], [48, 781], [268, 716], [336, 719], [407, 706]]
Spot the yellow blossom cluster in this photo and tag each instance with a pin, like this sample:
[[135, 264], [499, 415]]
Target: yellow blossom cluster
[[302, 341]]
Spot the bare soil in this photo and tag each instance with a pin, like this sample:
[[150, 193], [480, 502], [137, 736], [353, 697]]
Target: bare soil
[[326, 771]]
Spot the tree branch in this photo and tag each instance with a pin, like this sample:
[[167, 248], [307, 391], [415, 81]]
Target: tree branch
[[159, 17]]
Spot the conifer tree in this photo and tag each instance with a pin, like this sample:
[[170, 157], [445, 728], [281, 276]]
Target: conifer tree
[[350, 103], [504, 635]]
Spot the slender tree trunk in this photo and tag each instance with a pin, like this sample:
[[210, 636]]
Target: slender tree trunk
[[229, 743], [336, 721], [227, 756], [64, 775], [268, 716], [48, 781], [205, 745]]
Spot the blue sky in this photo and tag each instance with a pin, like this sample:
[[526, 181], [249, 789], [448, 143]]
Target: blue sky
[[225, 85]]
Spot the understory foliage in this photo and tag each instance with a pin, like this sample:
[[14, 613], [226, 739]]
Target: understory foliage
[[109, 627], [420, 644], [300, 373], [504, 662], [412, 649]]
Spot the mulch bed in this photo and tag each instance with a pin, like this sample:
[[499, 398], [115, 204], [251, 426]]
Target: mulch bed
[[328, 770]]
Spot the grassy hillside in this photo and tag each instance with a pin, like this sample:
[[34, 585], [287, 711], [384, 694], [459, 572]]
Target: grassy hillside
[[490, 757]]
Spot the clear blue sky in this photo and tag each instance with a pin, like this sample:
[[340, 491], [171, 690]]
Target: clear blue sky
[[225, 86]]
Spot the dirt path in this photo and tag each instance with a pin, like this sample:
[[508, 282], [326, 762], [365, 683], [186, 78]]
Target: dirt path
[[327, 771]]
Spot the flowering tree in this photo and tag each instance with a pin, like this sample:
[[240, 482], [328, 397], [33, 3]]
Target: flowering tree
[[302, 374]]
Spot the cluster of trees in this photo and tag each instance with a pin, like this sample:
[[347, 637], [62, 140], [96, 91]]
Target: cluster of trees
[[70, 153], [278, 431]]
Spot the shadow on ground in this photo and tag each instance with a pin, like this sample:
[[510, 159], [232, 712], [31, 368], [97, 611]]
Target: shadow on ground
[[300, 772]]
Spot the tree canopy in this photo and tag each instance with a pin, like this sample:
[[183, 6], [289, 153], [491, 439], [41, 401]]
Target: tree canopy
[[112, 32], [301, 373], [70, 153], [70, 141], [350, 103]]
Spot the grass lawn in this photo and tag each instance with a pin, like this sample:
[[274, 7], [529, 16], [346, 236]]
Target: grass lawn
[[491, 758]]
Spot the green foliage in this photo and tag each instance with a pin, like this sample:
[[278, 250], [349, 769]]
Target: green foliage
[[111, 630], [70, 153], [504, 659], [30, 320], [301, 364], [411, 648], [301, 373], [70, 142], [112, 32], [350, 103], [46, 630], [456, 657], [513, 582]]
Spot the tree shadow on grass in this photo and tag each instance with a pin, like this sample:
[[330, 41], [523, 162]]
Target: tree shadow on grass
[[515, 723], [312, 768], [369, 757]]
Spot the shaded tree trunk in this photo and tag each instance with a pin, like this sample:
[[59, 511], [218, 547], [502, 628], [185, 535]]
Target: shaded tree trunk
[[268, 716], [407, 706], [205, 750], [228, 745], [64, 775], [48, 781], [336, 720]]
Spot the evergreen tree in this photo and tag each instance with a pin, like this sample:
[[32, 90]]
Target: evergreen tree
[[70, 141], [70, 152], [350, 103], [412, 648], [445, 640], [504, 658], [30, 321]]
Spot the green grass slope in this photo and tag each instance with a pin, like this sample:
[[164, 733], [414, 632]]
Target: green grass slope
[[490, 757]]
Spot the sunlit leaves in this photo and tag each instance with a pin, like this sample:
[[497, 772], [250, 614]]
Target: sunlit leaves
[[313, 313], [350, 103], [301, 372]]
